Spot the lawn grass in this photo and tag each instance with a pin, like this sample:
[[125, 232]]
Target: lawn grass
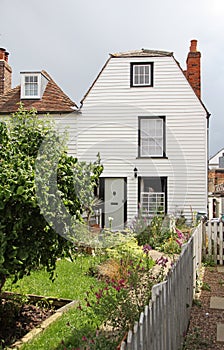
[[72, 282], [65, 333]]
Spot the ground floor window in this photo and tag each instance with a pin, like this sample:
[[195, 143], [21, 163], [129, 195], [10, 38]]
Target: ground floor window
[[153, 196]]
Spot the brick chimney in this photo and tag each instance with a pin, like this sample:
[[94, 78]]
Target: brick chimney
[[5, 72], [193, 72]]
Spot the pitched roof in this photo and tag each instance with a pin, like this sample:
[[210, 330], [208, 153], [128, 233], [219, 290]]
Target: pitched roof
[[135, 53], [54, 100], [142, 53]]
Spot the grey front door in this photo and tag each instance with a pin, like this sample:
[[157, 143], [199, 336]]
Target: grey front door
[[114, 203]]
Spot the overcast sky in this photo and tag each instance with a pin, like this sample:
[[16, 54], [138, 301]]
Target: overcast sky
[[71, 40]]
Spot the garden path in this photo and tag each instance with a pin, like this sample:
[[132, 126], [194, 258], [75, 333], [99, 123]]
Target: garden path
[[206, 328], [218, 304]]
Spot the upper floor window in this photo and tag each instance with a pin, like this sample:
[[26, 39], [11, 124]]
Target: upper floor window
[[151, 136], [30, 85], [142, 74]]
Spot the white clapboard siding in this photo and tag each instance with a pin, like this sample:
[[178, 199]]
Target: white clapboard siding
[[214, 242], [66, 124], [164, 322], [108, 123]]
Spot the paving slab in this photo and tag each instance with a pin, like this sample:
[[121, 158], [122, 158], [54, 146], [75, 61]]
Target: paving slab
[[217, 303], [220, 269], [220, 332]]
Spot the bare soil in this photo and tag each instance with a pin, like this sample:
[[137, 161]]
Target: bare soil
[[203, 323], [17, 319]]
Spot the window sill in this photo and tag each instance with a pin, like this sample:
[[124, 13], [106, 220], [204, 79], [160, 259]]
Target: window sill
[[153, 157], [141, 86], [30, 97]]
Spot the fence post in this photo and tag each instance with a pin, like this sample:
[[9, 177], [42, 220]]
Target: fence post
[[146, 329], [129, 340], [136, 342], [221, 243], [209, 239], [141, 331], [204, 241]]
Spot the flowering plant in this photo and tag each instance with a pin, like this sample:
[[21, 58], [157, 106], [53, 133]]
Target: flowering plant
[[117, 305]]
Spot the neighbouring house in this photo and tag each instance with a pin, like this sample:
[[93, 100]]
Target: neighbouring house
[[216, 185], [217, 161], [145, 116], [36, 90]]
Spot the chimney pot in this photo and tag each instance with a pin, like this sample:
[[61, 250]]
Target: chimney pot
[[2, 54], [6, 56], [193, 47]]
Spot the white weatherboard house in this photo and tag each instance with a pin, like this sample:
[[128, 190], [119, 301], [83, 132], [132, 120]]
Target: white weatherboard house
[[144, 115]]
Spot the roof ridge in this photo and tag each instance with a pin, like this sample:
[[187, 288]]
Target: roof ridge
[[142, 52]]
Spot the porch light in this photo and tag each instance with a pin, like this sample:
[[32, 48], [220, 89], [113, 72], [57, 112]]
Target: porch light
[[135, 172]]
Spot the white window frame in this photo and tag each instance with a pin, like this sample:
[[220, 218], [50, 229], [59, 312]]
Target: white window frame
[[24, 94], [142, 74], [151, 137], [153, 203]]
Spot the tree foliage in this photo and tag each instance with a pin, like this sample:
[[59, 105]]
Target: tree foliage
[[28, 238]]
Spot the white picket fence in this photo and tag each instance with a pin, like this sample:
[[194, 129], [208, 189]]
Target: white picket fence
[[164, 322], [213, 246]]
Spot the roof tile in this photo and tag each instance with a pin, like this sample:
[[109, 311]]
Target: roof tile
[[54, 100]]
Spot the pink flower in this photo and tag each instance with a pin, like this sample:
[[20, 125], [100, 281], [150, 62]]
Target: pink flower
[[84, 338], [162, 261], [179, 233], [146, 248], [98, 295], [178, 242], [79, 307]]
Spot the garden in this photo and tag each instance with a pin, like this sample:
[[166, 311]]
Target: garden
[[44, 251], [111, 286]]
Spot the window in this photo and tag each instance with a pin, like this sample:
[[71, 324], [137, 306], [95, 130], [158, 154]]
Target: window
[[142, 74], [30, 85], [152, 196], [152, 137]]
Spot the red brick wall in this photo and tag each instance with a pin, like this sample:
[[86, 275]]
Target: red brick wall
[[215, 177], [5, 77], [5, 72], [193, 72]]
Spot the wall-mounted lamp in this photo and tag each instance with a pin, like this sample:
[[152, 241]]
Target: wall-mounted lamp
[[135, 172]]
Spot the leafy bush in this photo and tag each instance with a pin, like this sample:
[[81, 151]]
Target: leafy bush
[[27, 240], [162, 236], [128, 251], [154, 234]]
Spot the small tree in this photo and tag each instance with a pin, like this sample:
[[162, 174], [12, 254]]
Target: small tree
[[86, 176], [27, 237]]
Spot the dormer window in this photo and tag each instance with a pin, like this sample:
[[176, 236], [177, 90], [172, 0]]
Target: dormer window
[[142, 74], [30, 85], [33, 85]]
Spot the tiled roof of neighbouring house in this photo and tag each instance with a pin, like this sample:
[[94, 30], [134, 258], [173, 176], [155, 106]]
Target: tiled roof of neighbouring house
[[54, 100]]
